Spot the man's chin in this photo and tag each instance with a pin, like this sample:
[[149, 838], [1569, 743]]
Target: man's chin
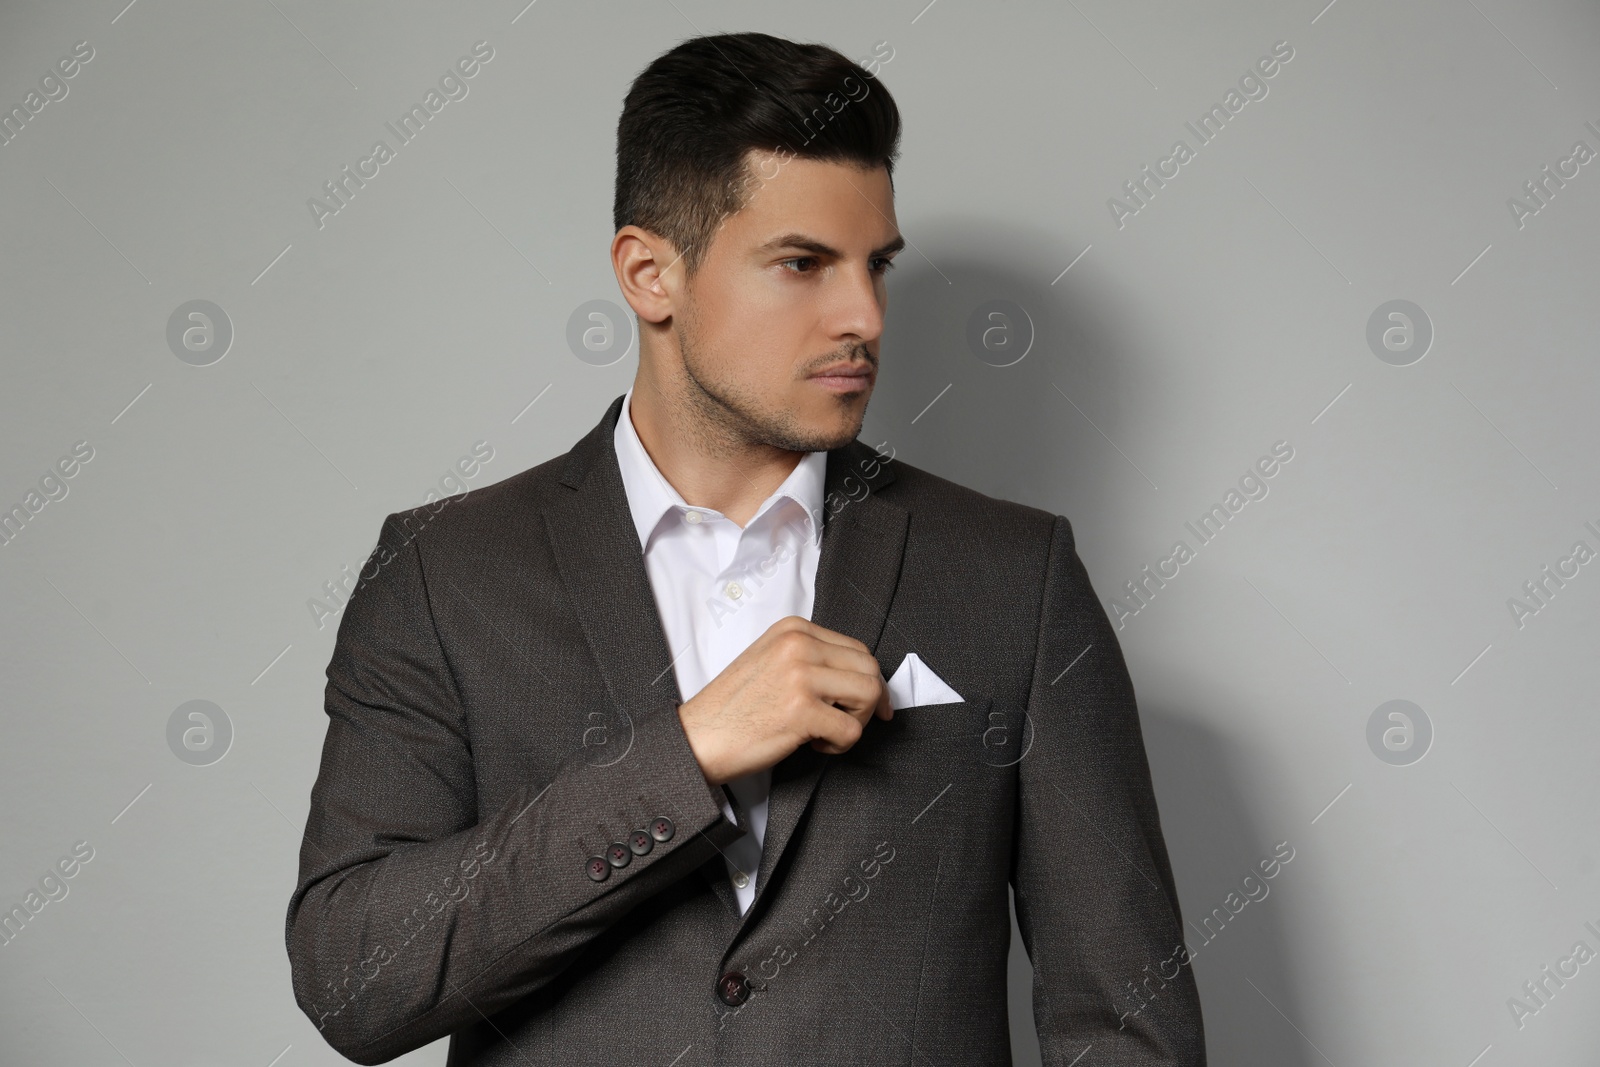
[[823, 433], [839, 440]]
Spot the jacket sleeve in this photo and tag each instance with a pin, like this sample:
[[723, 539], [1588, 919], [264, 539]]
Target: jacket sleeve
[[415, 912], [1096, 902]]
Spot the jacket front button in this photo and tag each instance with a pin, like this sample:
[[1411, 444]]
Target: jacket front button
[[733, 988], [662, 829], [598, 868]]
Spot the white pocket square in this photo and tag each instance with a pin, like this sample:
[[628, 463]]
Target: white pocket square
[[915, 684]]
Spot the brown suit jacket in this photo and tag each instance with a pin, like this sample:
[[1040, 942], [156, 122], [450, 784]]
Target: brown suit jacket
[[510, 841]]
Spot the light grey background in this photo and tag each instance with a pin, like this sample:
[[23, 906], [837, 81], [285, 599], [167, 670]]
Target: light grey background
[[1228, 314]]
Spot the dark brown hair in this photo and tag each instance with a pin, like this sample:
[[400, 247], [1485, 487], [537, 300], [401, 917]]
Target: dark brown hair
[[692, 115]]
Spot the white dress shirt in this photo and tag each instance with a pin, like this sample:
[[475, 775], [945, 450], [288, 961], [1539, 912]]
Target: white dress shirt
[[718, 587]]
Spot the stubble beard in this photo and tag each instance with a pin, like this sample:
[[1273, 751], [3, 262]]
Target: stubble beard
[[727, 415]]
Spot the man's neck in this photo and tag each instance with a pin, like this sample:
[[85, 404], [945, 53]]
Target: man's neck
[[707, 467]]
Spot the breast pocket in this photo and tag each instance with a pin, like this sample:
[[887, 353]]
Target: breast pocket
[[937, 779], [950, 735]]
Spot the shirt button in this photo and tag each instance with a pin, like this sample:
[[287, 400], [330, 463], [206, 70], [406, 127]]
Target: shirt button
[[733, 988], [733, 590], [692, 516], [740, 880]]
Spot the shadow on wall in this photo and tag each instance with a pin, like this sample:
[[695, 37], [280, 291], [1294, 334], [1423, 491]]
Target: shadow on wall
[[1049, 419], [1215, 841]]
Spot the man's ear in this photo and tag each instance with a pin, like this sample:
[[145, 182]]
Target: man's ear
[[648, 271]]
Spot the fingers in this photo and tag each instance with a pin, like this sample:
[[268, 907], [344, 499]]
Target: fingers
[[834, 637], [829, 649], [835, 730], [846, 703], [856, 694], [884, 710], [844, 676], [857, 658], [794, 623]]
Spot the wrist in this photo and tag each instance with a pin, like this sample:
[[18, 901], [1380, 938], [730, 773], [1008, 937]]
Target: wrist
[[697, 748]]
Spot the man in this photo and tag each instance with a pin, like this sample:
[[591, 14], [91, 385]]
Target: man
[[613, 774]]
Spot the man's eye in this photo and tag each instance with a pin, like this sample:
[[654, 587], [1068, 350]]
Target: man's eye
[[882, 264]]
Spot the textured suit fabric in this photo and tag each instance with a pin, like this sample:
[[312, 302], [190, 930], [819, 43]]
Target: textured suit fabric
[[501, 707]]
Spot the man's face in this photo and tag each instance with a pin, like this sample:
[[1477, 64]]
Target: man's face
[[792, 285]]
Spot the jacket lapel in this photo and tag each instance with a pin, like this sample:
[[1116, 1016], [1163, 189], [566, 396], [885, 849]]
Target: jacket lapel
[[596, 549], [863, 540]]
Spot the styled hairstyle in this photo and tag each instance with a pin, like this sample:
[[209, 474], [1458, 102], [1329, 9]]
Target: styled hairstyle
[[692, 115]]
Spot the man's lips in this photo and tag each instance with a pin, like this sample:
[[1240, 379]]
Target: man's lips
[[845, 377], [846, 370]]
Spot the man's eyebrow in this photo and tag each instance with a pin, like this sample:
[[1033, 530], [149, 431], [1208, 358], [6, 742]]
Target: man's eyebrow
[[811, 244]]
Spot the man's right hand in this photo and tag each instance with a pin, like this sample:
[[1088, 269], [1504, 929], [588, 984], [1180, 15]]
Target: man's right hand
[[797, 682]]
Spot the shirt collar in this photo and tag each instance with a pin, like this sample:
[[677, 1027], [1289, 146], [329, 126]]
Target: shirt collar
[[651, 497]]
